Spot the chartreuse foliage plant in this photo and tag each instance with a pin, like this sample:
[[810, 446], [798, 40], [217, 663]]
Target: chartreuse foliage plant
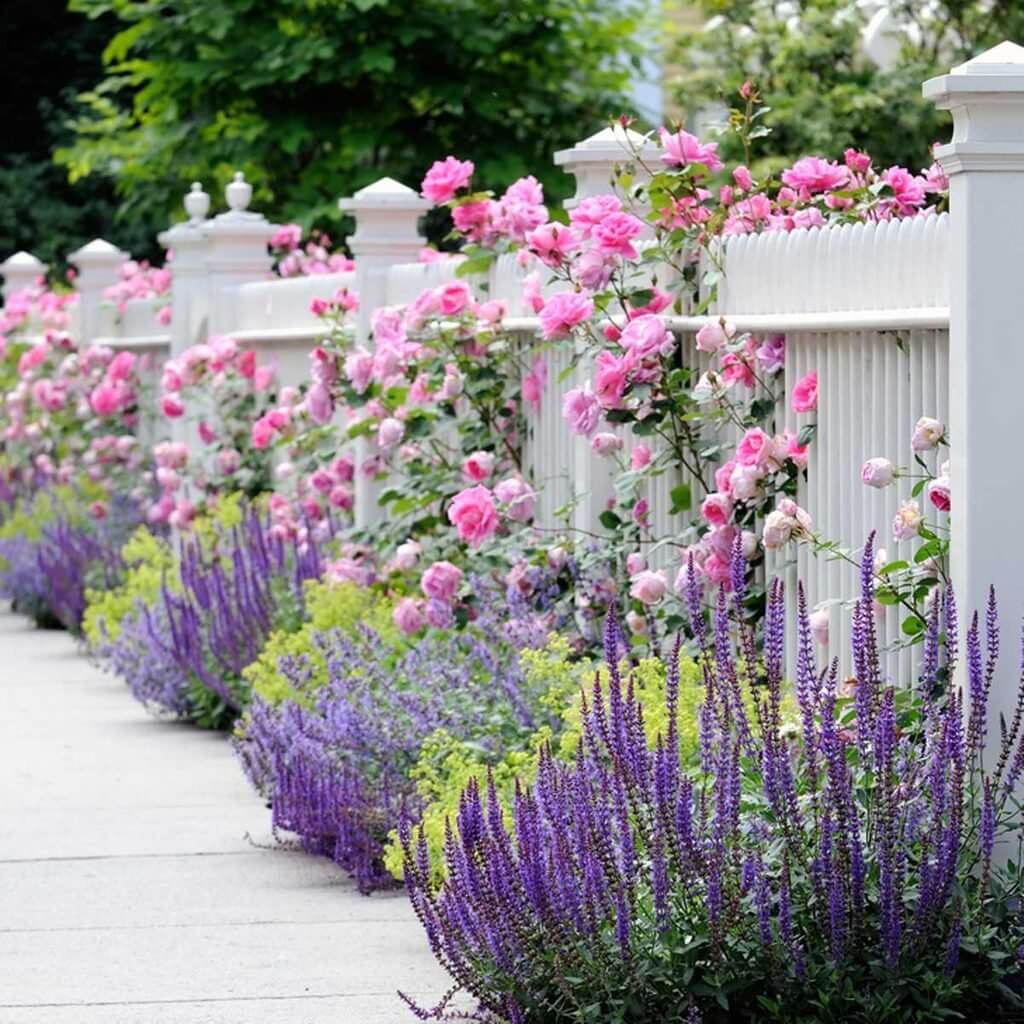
[[861, 865]]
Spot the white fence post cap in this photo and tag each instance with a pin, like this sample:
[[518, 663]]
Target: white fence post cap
[[97, 253]]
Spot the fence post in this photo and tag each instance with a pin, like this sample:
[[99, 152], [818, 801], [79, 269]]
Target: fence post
[[387, 216], [593, 162], [98, 264], [20, 271], [985, 164], [190, 299], [237, 253]]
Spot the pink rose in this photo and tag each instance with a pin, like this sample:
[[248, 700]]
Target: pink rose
[[478, 466], [640, 456], [938, 493], [635, 563], [471, 219], [581, 410], [553, 243], [591, 211], [172, 406], [819, 622], [390, 432], [263, 377], [711, 337], [121, 366], [406, 555], [441, 582], [878, 472], [408, 615], [611, 376], [647, 336], [928, 433], [717, 509], [606, 444], [615, 234], [106, 399], [359, 369], [649, 587], [907, 521], [228, 461], [755, 448], [563, 312], [455, 298], [518, 497], [262, 433], [805, 394], [340, 497], [473, 514], [445, 178], [816, 175], [743, 178], [682, 149]]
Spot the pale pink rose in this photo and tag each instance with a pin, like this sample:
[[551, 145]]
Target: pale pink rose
[[263, 377], [927, 434], [819, 622], [518, 497], [390, 432], [172, 406], [717, 509], [228, 461], [478, 466], [473, 514], [163, 315], [805, 393], [532, 292], [563, 312], [790, 508], [441, 582], [711, 337], [640, 456], [605, 444], [319, 404], [359, 369], [636, 622], [340, 497], [445, 178], [718, 568], [907, 521], [553, 243], [183, 515], [635, 563], [592, 211], [743, 178], [938, 493], [408, 615], [615, 235], [723, 476], [581, 410], [407, 554], [778, 528], [451, 385], [593, 269], [649, 586], [878, 472], [756, 448], [647, 336], [121, 367], [472, 219], [262, 433], [611, 376]]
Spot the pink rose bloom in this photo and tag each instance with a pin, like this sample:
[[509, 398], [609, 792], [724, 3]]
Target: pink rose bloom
[[755, 448], [909, 190], [771, 353], [907, 521], [606, 444], [635, 563], [473, 514], [478, 466], [711, 337], [647, 336], [805, 393], [636, 622], [610, 377], [454, 298], [279, 419], [340, 497], [172, 406], [553, 243], [938, 493], [615, 234], [262, 433], [857, 161], [163, 315], [445, 178], [121, 367], [390, 432], [581, 410], [263, 377], [592, 211], [593, 269], [649, 586], [718, 569], [106, 400], [319, 404], [171, 378], [640, 457], [518, 497], [359, 369], [819, 622], [928, 433], [167, 479], [563, 312], [441, 582], [406, 555], [723, 476], [33, 357], [471, 219], [738, 369], [183, 515], [717, 509], [743, 178], [878, 472], [792, 449], [408, 615], [206, 433], [682, 149], [816, 175], [532, 293]]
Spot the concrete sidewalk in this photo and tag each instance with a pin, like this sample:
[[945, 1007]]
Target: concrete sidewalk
[[129, 891]]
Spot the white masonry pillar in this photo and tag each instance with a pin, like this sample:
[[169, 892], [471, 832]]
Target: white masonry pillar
[[985, 164], [98, 264], [387, 216], [190, 300]]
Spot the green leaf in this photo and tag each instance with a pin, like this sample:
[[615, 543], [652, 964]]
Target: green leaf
[[609, 520], [682, 499]]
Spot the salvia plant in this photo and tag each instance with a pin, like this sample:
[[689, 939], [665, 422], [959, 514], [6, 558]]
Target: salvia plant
[[229, 601], [335, 762], [862, 866]]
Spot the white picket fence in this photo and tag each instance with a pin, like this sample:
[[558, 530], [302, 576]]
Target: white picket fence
[[869, 306]]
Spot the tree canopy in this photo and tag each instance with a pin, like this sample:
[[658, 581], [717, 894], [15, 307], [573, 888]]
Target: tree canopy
[[316, 98]]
